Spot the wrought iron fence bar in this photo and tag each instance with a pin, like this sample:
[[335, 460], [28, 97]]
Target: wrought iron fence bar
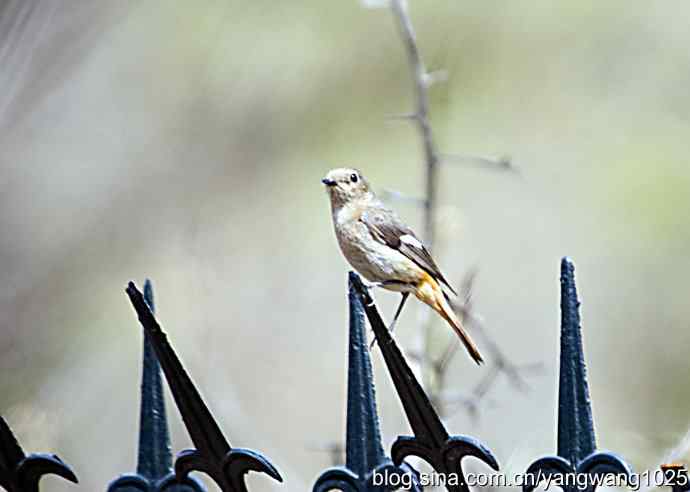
[[423, 419], [576, 450], [213, 454], [431, 441], [22, 473], [364, 454], [364, 450], [202, 427], [576, 438], [154, 457]]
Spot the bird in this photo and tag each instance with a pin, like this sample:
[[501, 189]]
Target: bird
[[385, 251]]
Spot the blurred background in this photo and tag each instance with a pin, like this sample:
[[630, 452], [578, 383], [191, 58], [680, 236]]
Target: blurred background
[[185, 141]]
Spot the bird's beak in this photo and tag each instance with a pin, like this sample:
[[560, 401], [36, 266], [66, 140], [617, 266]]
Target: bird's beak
[[328, 182]]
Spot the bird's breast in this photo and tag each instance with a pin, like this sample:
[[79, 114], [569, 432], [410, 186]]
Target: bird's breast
[[376, 261]]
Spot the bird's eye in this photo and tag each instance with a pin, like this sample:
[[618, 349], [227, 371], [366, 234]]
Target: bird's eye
[[353, 178]]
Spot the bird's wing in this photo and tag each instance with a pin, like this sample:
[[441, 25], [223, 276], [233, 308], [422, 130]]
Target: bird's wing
[[388, 229]]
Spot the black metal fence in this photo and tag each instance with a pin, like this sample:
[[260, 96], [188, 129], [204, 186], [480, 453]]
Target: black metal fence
[[577, 465]]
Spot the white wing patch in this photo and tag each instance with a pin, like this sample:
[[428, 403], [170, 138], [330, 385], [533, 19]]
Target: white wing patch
[[411, 241]]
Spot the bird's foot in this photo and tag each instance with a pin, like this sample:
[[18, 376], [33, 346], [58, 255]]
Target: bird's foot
[[384, 284], [390, 330], [374, 285]]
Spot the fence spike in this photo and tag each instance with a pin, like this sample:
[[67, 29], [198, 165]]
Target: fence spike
[[213, 454], [364, 450], [364, 455], [431, 441], [154, 460], [577, 452], [576, 438], [21, 473]]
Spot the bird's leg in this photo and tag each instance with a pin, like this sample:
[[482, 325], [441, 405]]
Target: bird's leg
[[405, 295]]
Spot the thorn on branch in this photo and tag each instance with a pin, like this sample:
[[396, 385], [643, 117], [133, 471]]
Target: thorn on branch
[[403, 116], [422, 80], [503, 163], [434, 77]]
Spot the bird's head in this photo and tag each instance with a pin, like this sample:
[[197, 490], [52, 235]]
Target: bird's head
[[344, 185]]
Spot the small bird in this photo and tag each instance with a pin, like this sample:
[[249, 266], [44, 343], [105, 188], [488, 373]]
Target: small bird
[[386, 251]]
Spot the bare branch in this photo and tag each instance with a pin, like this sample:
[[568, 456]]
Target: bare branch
[[437, 369], [498, 357], [420, 79], [499, 362]]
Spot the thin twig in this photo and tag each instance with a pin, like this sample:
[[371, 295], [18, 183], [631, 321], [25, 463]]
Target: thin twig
[[421, 80], [472, 402], [500, 362], [496, 354], [503, 163], [435, 370]]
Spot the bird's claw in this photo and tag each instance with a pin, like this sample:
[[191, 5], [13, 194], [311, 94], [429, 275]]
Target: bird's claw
[[374, 285], [390, 330]]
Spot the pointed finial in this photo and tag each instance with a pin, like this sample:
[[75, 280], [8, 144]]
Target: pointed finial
[[364, 450], [155, 457], [366, 462], [213, 455], [577, 455], [575, 424], [154, 461], [431, 440]]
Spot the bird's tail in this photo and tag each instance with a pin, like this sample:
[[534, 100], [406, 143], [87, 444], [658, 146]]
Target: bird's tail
[[431, 294]]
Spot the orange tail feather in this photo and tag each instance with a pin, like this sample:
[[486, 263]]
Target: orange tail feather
[[430, 293]]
